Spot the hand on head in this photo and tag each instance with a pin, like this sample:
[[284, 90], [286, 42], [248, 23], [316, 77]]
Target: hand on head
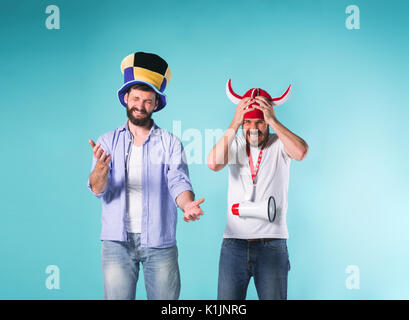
[[242, 108]]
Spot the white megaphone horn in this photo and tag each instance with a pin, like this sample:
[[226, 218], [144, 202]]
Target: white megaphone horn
[[265, 210]]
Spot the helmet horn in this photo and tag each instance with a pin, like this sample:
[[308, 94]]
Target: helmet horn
[[283, 98], [235, 98]]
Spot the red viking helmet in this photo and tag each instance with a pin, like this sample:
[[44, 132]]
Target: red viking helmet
[[256, 113]]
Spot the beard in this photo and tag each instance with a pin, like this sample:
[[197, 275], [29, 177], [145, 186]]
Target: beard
[[138, 121], [256, 138]]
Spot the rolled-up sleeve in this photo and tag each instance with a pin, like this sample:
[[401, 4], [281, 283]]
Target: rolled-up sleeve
[[178, 173], [94, 162]]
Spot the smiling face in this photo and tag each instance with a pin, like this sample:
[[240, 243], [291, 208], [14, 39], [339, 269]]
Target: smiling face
[[140, 105], [255, 131]]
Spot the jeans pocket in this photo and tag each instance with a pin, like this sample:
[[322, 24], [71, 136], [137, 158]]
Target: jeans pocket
[[227, 242], [279, 244]]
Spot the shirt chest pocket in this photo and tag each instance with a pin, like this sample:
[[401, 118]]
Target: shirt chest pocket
[[244, 172]]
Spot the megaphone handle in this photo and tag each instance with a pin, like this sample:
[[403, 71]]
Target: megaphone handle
[[252, 194]]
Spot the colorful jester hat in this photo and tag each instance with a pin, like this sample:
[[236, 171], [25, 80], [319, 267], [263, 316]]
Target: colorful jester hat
[[256, 113], [147, 68]]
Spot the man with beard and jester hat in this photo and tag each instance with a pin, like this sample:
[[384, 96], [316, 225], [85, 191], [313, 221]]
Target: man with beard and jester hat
[[139, 172]]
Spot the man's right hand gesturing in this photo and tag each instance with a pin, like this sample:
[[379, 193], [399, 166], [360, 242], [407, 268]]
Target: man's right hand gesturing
[[102, 157], [99, 177]]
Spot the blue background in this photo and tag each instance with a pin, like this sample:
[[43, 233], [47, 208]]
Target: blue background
[[347, 199]]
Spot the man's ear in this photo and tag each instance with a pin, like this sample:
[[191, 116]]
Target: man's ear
[[156, 104], [126, 97]]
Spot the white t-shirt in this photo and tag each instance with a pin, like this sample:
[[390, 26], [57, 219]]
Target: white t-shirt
[[134, 191], [272, 180]]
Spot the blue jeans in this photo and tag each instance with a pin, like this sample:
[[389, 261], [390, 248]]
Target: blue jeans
[[266, 261], [120, 268]]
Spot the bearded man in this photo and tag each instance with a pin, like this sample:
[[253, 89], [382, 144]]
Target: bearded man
[[259, 168], [140, 173]]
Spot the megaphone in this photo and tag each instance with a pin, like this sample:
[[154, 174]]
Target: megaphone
[[265, 210]]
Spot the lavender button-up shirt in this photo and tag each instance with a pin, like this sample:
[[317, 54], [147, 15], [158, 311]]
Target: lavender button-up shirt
[[165, 175]]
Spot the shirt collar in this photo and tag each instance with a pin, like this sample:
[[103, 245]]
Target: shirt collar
[[125, 128]]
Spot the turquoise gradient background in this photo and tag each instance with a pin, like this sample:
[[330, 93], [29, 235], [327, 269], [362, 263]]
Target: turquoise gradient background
[[347, 199]]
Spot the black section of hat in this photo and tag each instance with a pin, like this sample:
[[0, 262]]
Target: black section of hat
[[151, 62]]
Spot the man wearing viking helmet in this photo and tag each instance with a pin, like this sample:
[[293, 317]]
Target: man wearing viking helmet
[[254, 245]]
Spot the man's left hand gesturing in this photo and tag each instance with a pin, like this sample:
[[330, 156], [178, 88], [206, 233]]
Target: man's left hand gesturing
[[192, 210]]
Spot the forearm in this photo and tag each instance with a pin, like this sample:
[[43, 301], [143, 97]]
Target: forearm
[[295, 146], [99, 179], [184, 198], [219, 156]]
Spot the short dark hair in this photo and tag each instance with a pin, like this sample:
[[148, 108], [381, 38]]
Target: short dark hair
[[143, 87]]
